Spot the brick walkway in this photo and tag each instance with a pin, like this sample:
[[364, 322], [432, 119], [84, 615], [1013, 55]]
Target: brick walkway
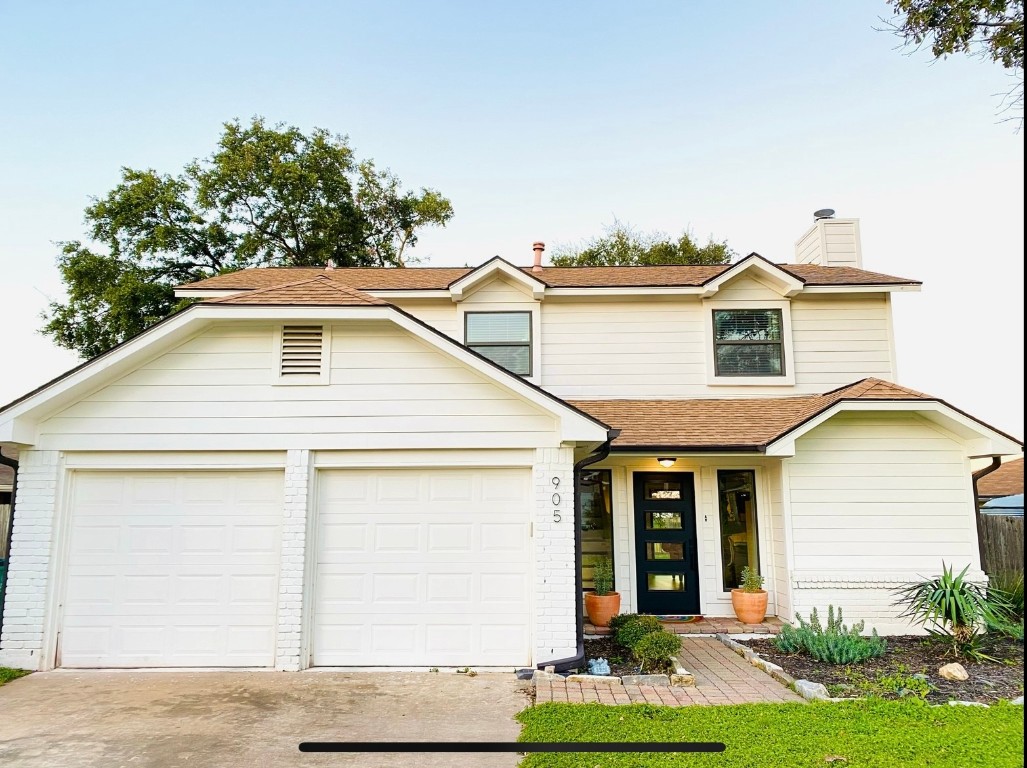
[[708, 626], [721, 677]]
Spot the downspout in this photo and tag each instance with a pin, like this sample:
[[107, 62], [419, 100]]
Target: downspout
[[996, 462], [578, 659], [10, 534]]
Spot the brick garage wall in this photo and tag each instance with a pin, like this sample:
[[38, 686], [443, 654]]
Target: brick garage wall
[[21, 643], [555, 625], [289, 639]]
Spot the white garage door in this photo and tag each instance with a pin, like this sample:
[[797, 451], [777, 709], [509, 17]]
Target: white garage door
[[423, 568], [172, 569]]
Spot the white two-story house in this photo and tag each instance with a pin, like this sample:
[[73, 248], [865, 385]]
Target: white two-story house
[[414, 467]]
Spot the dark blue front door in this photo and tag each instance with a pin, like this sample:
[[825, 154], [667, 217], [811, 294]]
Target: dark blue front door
[[667, 564]]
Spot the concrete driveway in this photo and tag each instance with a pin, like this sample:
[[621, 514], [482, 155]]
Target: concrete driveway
[[162, 719]]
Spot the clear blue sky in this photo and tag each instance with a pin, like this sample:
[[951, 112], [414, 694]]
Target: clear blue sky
[[544, 121]]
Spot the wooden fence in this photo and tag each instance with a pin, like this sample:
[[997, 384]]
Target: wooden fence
[[1001, 544]]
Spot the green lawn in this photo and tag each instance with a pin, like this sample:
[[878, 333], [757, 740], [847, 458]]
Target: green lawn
[[868, 732], [7, 674]]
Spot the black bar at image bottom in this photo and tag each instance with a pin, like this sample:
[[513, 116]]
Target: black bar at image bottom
[[510, 746]]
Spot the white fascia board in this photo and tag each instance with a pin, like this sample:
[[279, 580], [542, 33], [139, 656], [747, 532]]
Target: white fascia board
[[782, 282], [656, 290], [459, 289], [425, 293], [980, 439], [197, 293], [901, 288]]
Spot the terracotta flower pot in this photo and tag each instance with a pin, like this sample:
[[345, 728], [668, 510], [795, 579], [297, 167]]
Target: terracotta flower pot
[[601, 609], [750, 607]]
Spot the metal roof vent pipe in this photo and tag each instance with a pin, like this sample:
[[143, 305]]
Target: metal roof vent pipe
[[537, 247]]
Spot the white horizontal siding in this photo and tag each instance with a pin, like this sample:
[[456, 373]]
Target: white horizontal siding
[[388, 390], [876, 496]]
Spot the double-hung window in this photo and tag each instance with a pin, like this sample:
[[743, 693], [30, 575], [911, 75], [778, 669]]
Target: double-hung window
[[748, 342], [502, 337]]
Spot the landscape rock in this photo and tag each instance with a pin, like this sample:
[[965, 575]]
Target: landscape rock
[[601, 679], [811, 690], [967, 704], [954, 671], [645, 680], [1018, 700], [683, 679]]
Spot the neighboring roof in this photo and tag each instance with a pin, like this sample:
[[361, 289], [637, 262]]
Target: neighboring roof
[[740, 424], [6, 476], [440, 278], [1011, 506], [1007, 480], [319, 290]]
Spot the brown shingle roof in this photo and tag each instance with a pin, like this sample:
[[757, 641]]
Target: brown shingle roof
[[439, 278], [731, 424], [1007, 480], [319, 290]]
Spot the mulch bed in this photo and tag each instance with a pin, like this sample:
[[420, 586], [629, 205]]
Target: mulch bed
[[620, 659], [906, 656]]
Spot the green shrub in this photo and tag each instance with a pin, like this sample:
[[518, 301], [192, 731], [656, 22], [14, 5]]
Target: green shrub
[[955, 608], [1008, 587], [835, 644], [621, 619], [631, 632], [602, 576], [654, 650]]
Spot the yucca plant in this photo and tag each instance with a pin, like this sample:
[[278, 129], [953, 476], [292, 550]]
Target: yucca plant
[[953, 607]]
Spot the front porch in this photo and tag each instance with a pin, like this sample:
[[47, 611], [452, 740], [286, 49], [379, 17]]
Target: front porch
[[705, 625], [678, 531]]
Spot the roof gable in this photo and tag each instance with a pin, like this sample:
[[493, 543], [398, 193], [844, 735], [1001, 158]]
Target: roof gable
[[494, 267], [772, 424], [19, 419], [774, 277], [319, 291]]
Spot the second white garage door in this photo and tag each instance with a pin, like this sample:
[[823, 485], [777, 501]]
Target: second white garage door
[[425, 567]]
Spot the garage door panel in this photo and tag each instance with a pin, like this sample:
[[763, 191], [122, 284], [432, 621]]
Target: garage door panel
[[172, 569], [423, 567]]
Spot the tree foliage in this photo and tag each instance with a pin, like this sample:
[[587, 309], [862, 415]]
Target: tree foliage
[[267, 196], [622, 245], [991, 29]]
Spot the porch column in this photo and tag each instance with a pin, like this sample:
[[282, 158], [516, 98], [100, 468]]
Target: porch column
[[289, 640], [555, 623]]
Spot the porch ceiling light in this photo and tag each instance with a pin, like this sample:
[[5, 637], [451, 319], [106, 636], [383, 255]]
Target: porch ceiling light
[[667, 461]]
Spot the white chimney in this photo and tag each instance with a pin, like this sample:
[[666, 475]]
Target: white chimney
[[831, 242]]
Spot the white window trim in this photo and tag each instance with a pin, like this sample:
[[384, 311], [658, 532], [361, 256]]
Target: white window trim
[[713, 380], [536, 329], [319, 379]]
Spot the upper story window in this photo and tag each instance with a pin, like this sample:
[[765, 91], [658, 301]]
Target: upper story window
[[748, 342], [502, 337]]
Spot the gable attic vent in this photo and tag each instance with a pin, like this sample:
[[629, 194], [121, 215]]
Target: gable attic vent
[[302, 350]]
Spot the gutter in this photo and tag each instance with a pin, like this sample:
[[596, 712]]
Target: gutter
[[996, 462], [10, 534], [577, 661]]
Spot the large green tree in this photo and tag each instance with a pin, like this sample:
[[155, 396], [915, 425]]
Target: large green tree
[[268, 195], [623, 245], [989, 29]]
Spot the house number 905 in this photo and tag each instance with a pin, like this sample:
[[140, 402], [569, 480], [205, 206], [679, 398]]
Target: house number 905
[[557, 517]]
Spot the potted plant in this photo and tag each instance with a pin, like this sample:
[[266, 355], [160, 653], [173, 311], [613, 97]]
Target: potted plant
[[603, 603], [750, 599]]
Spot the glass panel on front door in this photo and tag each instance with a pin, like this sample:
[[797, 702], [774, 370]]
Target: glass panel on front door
[[665, 543]]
